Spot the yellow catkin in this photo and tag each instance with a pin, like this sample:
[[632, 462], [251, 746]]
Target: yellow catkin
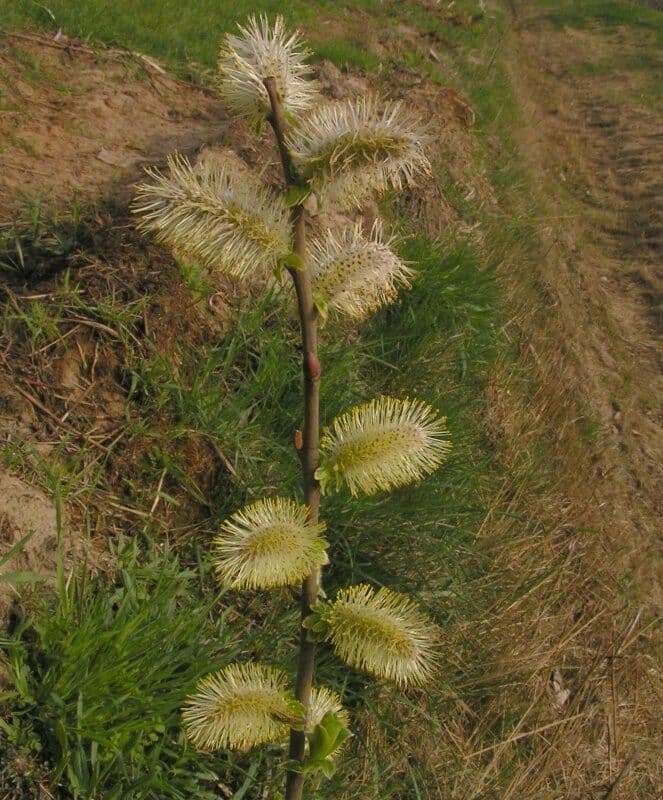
[[239, 707], [268, 543], [382, 632], [381, 445]]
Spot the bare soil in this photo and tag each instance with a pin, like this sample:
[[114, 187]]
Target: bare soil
[[77, 123]]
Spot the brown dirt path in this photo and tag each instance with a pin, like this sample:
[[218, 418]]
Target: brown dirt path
[[596, 151]]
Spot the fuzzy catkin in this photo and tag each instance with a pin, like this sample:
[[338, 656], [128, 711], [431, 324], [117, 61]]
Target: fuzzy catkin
[[268, 543], [381, 445], [351, 149], [260, 51], [382, 632], [213, 213], [354, 274], [239, 707]]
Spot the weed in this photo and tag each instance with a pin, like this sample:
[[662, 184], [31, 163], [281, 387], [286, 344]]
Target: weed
[[99, 676], [39, 242], [348, 53]]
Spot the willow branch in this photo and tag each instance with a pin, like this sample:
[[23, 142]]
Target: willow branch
[[309, 450]]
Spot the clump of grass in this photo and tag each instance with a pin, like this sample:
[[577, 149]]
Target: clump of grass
[[39, 241], [99, 674], [592, 12]]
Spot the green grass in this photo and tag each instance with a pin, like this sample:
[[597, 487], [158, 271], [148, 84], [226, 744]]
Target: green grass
[[99, 674], [347, 53], [178, 35], [636, 37]]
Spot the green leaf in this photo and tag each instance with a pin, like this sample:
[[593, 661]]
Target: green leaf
[[14, 578], [323, 309], [316, 624], [324, 765], [296, 195], [294, 261], [289, 261], [327, 737], [16, 548]]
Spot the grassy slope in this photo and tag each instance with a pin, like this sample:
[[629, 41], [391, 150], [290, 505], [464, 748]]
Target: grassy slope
[[440, 342]]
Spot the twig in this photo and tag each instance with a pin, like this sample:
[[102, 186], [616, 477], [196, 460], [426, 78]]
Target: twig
[[157, 495], [38, 404], [627, 766], [525, 734], [309, 452], [223, 458], [48, 43]]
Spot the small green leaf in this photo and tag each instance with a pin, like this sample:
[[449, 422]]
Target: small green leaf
[[328, 767], [327, 737], [323, 309], [289, 261], [324, 765], [296, 195], [16, 548], [315, 623], [294, 261]]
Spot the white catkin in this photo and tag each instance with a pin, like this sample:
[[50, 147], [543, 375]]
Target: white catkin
[[260, 51], [213, 213], [381, 445], [353, 148], [354, 274]]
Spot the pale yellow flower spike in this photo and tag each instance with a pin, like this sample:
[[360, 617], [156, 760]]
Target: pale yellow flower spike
[[268, 543], [213, 213], [264, 51], [381, 445], [383, 633], [350, 149], [354, 274], [239, 707], [322, 701]]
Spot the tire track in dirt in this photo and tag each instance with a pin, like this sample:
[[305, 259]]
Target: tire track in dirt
[[598, 160], [626, 148]]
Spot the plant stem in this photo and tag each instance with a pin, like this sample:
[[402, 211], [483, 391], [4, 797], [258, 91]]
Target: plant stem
[[309, 449]]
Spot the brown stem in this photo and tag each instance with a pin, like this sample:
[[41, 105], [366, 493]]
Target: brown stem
[[310, 437]]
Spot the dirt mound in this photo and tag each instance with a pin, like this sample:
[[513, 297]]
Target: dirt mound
[[78, 123]]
